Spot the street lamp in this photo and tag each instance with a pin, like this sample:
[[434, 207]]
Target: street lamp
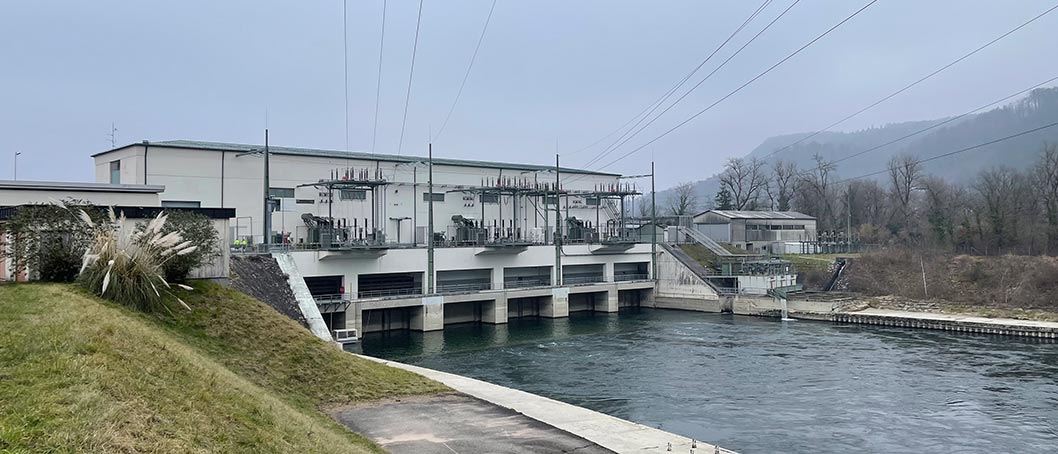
[[17, 154]]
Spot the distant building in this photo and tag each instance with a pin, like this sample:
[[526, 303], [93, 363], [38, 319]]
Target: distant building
[[779, 232]]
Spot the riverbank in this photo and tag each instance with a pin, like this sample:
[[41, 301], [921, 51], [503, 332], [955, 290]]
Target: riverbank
[[854, 309]]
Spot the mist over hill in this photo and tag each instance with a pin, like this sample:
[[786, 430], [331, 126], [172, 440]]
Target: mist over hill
[[1038, 108]]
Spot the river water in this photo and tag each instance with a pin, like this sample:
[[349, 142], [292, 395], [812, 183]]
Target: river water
[[759, 385]]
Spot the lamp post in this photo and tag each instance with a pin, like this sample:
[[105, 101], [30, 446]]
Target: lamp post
[[17, 154]]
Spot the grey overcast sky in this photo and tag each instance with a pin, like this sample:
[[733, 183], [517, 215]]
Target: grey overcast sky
[[548, 70]]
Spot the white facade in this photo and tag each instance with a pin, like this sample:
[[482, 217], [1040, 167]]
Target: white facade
[[14, 193], [222, 175]]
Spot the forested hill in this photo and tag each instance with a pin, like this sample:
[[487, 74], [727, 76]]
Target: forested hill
[[1037, 109]]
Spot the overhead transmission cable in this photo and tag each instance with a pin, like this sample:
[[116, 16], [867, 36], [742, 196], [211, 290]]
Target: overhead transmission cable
[[617, 145], [648, 110], [378, 82], [345, 53], [411, 75], [952, 153], [946, 121], [912, 84], [741, 87], [469, 67]]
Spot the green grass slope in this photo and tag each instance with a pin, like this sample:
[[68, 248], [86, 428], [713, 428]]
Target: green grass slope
[[78, 374]]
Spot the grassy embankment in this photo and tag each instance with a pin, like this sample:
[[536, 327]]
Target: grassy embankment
[[78, 374]]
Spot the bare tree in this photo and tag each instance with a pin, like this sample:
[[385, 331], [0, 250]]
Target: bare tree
[[904, 173], [815, 191], [780, 188], [1046, 182], [644, 206], [744, 180], [684, 200]]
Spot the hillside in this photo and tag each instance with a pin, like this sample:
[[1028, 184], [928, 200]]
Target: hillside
[[1038, 108], [78, 374]]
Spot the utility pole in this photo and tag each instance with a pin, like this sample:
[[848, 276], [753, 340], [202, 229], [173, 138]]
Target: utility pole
[[267, 198], [429, 234], [558, 226], [17, 154], [848, 221], [653, 227]]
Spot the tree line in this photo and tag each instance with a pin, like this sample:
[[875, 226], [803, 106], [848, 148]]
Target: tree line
[[1000, 210]]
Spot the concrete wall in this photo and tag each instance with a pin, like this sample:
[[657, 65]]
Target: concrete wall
[[413, 260], [679, 288]]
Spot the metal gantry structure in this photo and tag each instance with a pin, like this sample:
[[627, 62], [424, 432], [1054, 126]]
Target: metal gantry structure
[[331, 233]]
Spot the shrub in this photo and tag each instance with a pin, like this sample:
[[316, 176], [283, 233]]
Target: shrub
[[127, 269], [196, 229], [49, 239]]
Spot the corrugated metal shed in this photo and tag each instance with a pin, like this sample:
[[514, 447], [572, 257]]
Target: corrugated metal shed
[[761, 215], [336, 154]]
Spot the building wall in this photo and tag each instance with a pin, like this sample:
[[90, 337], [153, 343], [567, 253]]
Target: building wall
[[224, 179], [12, 197]]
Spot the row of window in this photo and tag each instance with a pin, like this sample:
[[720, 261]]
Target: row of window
[[775, 227], [358, 194]]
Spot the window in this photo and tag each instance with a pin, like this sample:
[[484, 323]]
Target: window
[[352, 194], [591, 201], [181, 204], [551, 200], [305, 201], [115, 172], [437, 197], [281, 193], [490, 198]]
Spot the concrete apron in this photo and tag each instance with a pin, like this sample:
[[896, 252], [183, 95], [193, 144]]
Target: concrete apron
[[615, 434]]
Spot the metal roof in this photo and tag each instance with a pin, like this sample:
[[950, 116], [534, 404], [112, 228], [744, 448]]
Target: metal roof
[[78, 186], [336, 154], [763, 215]]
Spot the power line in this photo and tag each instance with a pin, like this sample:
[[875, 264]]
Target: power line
[[378, 84], [924, 78], [469, 67], [345, 53], [744, 85], [648, 110], [411, 74], [707, 76], [949, 120], [952, 153]]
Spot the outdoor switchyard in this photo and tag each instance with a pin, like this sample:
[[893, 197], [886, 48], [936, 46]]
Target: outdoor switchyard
[[357, 228]]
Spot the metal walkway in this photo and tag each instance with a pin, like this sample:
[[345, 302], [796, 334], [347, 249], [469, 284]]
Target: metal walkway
[[704, 240]]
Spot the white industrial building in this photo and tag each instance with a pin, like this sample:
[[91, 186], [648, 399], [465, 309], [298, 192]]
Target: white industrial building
[[777, 232], [355, 225]]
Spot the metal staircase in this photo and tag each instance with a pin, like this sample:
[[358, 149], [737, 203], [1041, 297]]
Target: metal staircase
[[704, 240]]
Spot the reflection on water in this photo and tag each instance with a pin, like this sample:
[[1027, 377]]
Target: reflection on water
[[760, 385]]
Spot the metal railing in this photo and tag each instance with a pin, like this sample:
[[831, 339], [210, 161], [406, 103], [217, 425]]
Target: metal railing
[[388, 293], [579, 280], [527, 283], [464, 288], [631, 277], [335, 298]]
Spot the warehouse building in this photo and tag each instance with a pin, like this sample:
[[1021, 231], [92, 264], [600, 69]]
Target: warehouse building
[[777, 232]]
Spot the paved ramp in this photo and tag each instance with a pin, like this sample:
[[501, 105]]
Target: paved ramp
[[457, 423], [306, 302]]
